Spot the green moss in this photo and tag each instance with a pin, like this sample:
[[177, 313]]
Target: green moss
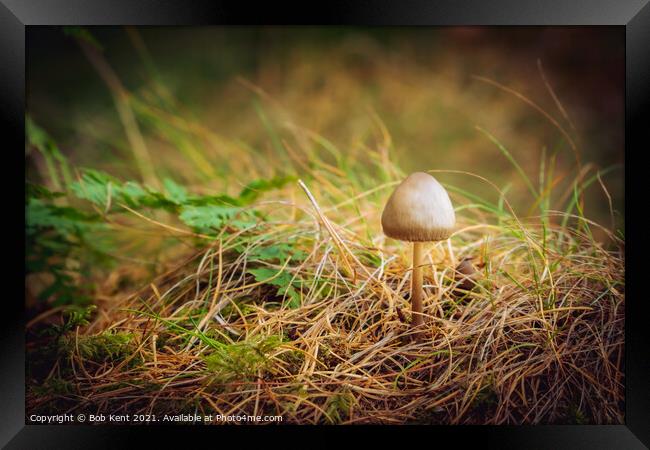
[[338, 406], [105, 347], [576, 416], [53, 386], [241, 361]]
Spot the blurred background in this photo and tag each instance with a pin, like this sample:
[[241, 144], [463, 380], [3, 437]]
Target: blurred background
[[431, 89]]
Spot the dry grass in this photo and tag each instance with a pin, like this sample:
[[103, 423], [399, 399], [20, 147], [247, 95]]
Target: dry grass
[[539, 340]]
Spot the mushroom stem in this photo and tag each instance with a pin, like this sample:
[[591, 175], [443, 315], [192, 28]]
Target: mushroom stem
[[416, 286]]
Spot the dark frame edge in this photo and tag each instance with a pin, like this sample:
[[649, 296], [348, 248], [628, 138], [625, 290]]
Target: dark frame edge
[[333, 12], [637, 138], [12, 118]]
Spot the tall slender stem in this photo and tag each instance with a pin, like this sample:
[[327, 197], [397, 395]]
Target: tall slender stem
[[416, 285]]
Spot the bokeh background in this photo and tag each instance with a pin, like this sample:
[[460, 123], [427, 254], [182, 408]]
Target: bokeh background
[[429, 88]]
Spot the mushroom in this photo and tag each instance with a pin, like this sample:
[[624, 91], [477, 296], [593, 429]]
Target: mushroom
[[418, 211], [465, 278]]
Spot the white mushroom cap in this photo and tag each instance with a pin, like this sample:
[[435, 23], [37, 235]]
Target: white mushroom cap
[[419, 210]]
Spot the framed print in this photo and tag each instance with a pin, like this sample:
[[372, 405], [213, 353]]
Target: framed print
[[391, 218]]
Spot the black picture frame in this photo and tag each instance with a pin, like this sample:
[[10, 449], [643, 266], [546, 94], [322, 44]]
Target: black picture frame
[[633, 15]]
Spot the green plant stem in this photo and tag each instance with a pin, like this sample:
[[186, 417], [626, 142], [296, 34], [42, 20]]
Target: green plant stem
[[141, 154]]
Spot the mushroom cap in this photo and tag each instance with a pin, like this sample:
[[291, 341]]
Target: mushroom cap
[[419, 210]]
